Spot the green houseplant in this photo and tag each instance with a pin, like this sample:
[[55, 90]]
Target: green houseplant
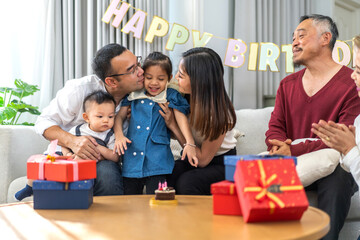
[[12, 104]]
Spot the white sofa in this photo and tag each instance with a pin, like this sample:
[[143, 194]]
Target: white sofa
[[19, 142]]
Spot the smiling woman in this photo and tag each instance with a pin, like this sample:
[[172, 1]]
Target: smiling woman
[[342, 137]]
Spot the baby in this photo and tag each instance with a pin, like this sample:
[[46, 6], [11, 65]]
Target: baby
[[99, 116]]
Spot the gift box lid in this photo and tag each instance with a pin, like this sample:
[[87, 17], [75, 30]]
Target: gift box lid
[[232, 160], [60, 168], [223, 188], [52, 185]]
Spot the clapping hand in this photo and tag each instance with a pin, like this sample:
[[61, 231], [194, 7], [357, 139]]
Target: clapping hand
[[335, 135]]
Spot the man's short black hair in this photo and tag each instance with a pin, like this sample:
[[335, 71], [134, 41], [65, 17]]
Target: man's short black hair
[[101, 64], [326, 22], [99, 97]]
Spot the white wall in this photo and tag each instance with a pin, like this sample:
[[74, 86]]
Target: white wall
[[323, 7]]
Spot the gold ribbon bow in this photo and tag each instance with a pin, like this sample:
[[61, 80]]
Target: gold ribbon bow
[[264, 192], [54, 158]]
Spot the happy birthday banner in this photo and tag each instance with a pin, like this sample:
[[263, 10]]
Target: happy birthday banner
[[262, 56]]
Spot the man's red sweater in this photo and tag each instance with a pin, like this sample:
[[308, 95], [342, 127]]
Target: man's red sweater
[[295, 111]]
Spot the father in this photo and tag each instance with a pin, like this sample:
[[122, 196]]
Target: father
[[118, 72], [322, 90]]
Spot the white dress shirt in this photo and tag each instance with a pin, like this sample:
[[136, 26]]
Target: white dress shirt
[[66, 109]]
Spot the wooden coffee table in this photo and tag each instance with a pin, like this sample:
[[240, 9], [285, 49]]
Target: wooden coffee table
[[132, 217]]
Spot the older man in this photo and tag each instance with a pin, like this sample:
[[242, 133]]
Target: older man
[[322, 90]]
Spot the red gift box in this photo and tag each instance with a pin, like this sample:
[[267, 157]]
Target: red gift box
[[270, 190], [59, 168], [225, 198]]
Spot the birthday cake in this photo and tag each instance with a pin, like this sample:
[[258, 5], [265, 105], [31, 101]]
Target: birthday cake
[[165, 193]]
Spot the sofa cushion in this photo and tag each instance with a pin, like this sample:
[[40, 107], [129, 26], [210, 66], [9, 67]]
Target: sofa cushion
[[175, 149], [315, 165], [18, 143], [354, 212], [253, 123]]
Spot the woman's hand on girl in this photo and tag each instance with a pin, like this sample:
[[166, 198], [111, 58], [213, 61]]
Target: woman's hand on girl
[[167, 114]]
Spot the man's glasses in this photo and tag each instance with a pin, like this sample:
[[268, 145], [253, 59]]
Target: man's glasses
[[138, 64]]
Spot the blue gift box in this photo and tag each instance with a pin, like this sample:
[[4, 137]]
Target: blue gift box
[[59, 195], [230, 162]]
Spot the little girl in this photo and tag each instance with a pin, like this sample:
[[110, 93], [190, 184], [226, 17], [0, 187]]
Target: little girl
[[148, 158]]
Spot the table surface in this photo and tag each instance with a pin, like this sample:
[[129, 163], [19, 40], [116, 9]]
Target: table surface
[[132, 217]]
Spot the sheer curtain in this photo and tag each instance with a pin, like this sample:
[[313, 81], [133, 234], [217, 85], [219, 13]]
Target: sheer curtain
[[264, 21], [83, 32], [48, 42], [21, 45]]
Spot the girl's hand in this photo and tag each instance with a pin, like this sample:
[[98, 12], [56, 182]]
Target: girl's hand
[[120, 145], [190, 153]]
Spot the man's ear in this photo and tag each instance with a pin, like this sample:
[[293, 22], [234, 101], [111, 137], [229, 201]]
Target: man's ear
[[326, 37], [111, 82], [86, 117]]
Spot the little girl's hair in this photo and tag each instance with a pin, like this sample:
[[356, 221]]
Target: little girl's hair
[[158, 59]]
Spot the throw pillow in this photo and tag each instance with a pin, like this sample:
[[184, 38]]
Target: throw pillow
[[315, 165]]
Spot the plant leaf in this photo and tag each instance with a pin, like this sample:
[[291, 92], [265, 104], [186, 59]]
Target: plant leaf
[[17, 92], [2, 117], [7, 89], [25, 88], [10, 111], [27, 124], [34, 111], [23, 107], [7, 113], [15, 104]]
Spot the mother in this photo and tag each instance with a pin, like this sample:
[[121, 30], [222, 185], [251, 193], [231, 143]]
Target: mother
[[212, 119]]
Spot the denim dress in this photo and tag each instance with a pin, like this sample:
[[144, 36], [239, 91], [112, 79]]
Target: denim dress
[[149, 152]]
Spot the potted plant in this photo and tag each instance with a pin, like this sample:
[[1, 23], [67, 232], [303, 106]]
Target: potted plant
[[12, 105]]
